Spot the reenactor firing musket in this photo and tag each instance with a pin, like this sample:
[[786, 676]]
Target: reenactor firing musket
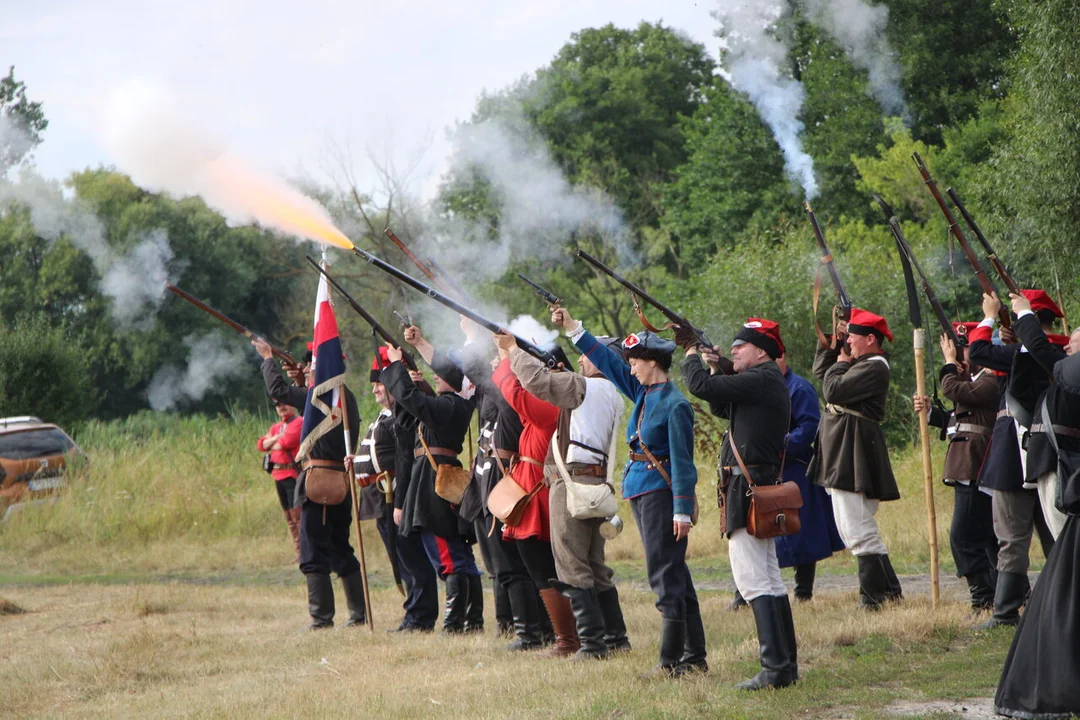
[[636, 292], [999, 266], [842, 310], [908, 257], [954, 227], [278, 352], [549, 297], [550, 359]]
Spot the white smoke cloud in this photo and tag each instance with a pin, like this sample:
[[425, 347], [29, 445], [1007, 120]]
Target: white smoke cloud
[[151, 140], [529, 328], [134, 282], [211, 359], [15, 142], [859, 28], [753, 59]]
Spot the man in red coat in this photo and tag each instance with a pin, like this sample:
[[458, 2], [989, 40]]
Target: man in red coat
[[281, 443]]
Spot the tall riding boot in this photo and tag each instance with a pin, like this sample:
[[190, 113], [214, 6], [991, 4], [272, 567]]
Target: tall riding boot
[[474, 609], [737, 602], [777, 670], [672, 646], [354, 597], [789, 633], [804, 581], [895, 593], [1011, 592], [547, 630], [562, 619], [614, 624], [526, 609], [589, 620], [457, 597], [981, 585], [504, 609], [292, 519], [320, 595], [873, 582], [694, 654]]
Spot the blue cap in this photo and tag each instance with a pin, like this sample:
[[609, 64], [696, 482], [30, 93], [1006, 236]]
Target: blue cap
[[647, 341]]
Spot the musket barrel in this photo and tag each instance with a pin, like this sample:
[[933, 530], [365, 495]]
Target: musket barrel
[[229, 321], [992, 256]]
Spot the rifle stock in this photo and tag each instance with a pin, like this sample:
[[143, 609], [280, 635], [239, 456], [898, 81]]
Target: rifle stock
[[278, 352], [636, 292]]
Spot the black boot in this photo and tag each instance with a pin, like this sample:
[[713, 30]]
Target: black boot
[[474, 609], [804, 581], [354, 597], [614, 624], [589, 619], [895, 592], [504, 611], [789, 633], [693, 657], [982, 585], [672, 645], [526, 609], [873, 582], [320, 596], [737, 603], [457, 597], [777, 670], [1009, 596]]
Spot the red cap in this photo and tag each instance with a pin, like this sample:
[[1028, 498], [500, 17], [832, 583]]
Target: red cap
[[763, 333], [1041, 301], [378, 363], [963, 329], [863, 322]]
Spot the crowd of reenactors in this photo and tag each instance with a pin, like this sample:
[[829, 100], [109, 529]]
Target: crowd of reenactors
[[1012, 432]]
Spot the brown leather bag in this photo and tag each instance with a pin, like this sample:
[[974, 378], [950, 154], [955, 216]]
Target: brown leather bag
[[326, 485], [451, 481], [774, 509], [507, 500]]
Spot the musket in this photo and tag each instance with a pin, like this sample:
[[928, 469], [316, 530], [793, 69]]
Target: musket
[[543, 356], [285, 356], [636, 292], [549, 297], [844, 303], [375, 324], [1061, 303], [405, 320], [441, 283], [954, 227], [907, 257], [999, 266]]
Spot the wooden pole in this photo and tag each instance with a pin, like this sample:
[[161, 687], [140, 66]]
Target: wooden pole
[[353, 500], [919, 343]]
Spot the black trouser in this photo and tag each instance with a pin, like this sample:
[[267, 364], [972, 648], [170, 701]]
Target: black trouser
[[665, 559], [324, 540], [421, 583], [505, 560], [539, 560], [971, 536], [286, 492]]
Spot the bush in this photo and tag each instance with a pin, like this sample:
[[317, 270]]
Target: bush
[[44, 373]]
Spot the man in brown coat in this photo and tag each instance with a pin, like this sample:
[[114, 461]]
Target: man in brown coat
[[851, 460], [974, 393]]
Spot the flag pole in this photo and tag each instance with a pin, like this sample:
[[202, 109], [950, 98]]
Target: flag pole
[[919, 343], [355, 512]]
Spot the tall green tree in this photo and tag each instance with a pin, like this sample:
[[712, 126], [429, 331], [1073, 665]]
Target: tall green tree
[[26, 121]]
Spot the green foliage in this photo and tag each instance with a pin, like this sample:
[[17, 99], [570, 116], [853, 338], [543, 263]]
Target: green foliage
[[44, 373], [25, 117]]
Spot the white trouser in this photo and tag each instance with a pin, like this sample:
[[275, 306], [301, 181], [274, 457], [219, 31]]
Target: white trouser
[[754, 565], [854, 513], [1048, 487]]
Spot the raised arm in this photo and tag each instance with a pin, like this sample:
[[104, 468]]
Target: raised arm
[[531, 408], [1031, 334], [982, 394], [278, 389], [426, 409], [562, 389], [719, 388], [850, 383]]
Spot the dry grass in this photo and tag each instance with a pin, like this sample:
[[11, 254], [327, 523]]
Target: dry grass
[[175, 650], [9, 608]]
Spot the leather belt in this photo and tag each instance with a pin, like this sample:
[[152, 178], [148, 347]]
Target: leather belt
[[531, 461], [333, 464], [277, 466], [505, 454], [972, 428], [1004, 413], [447, 452], [388, 474], [642, 457], [841, 410], [599, 471], [1058, 430]]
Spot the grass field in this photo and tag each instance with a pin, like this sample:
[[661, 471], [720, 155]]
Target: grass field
[[161, 585]]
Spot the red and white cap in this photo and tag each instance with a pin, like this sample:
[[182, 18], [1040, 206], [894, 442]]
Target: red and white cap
[[864, 322], [1041, 301], [763, 333]]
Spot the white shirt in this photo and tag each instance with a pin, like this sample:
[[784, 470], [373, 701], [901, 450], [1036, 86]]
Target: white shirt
[[595, 423]]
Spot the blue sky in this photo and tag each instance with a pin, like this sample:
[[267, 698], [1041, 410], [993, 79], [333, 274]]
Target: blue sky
[[284, 82]]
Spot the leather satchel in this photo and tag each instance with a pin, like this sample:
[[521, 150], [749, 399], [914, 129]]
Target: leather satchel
[[774, 509], [451, 481], [507, 500], [326, 485]]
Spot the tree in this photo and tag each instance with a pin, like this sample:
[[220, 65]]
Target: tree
[[25, 120]]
